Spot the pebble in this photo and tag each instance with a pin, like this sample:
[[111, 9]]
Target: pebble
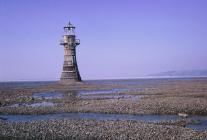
[[90, 129]]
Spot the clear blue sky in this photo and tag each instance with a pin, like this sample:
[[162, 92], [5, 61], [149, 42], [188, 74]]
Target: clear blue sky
[[119, 38]]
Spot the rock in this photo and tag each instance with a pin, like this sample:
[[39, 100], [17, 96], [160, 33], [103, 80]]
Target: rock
[[183, 115]]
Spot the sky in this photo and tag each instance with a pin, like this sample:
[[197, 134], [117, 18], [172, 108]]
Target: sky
[[119, 38]]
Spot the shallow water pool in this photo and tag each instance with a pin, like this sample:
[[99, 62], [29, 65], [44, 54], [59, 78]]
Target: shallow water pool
[[48, 95], [110, 96], [38, 104], [202, 125]]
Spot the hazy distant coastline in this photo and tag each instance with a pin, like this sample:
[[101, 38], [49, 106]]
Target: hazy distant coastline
[[186, 73]]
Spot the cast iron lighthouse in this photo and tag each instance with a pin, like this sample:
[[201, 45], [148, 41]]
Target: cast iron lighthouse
[[70, 71]]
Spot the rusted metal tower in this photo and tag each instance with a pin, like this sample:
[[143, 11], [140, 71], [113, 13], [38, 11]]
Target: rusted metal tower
[[70, 71]]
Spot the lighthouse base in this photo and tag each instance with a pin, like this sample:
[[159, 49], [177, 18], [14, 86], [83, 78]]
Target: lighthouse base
[[69, 81], [70, 76]]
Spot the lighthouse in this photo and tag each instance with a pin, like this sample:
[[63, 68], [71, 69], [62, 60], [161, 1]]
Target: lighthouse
[[70, 71]]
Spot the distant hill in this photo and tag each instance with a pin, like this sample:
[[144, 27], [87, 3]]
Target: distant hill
[[189, 73]]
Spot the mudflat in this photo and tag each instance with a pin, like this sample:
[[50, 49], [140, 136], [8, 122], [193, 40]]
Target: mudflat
[[139, 97]]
